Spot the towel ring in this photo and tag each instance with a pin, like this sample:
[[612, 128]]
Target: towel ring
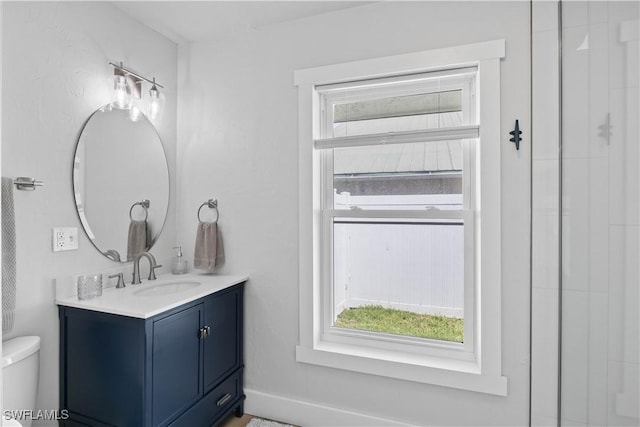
[[145, 205], [211, 204]]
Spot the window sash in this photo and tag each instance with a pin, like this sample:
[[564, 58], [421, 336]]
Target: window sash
[[463, 79], [427, 135], [466, 350], [426, 345], [399, 214], [398, 86], [398, 106]]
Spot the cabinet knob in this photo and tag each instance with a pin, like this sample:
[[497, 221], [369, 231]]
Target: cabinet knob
[[205, 331]]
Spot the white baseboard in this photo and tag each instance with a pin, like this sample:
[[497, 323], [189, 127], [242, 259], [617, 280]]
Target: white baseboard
[[301, 413]]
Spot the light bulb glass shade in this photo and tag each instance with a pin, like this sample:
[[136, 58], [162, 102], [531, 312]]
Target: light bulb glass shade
[[135, 114], [155, 103], [122, 93], [135, 110]]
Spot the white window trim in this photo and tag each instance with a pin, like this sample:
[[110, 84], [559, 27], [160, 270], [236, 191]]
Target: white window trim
[[483, 373]]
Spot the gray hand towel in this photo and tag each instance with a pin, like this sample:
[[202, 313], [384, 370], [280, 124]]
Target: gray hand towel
[[138, 240], [209, 252], [8, 256]]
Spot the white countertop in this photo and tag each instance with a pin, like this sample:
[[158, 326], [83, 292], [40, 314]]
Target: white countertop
[[125, 302]]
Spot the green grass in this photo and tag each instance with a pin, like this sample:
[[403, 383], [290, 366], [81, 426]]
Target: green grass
[[379, 319]]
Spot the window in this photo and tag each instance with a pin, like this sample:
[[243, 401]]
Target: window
[[394, 167], [398, 215]]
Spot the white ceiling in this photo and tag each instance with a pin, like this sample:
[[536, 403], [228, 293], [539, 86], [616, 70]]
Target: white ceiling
[[196, 21]]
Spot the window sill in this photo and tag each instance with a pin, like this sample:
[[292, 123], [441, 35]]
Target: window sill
[[428, 370]]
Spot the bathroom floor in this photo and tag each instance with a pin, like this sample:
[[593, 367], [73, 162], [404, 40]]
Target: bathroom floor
[[234, 421]]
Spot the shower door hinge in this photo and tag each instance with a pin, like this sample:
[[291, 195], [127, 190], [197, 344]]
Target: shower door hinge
[[515, 133]]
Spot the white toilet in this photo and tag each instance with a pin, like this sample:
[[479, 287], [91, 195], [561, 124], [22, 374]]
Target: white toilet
[[20, 363]]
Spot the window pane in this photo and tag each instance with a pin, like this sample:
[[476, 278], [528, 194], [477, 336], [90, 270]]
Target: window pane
[[404, 278], [398, 113], [424, 175]]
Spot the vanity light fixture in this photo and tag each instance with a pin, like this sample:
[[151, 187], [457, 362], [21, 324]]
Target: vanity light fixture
[[128, 92], [154, 101]]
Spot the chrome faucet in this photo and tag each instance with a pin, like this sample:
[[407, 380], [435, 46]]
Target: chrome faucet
[[136, 267]]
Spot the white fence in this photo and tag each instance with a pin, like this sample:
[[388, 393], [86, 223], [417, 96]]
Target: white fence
[[413, 267]]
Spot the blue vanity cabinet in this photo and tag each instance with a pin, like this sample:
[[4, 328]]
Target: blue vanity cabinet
[[222, 351], [176, 376], [182, 367]]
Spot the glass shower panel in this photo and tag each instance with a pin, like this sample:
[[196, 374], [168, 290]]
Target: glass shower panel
[[600, 218]]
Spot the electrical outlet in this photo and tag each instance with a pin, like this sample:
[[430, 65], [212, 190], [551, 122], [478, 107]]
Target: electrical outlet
[[65, 239]]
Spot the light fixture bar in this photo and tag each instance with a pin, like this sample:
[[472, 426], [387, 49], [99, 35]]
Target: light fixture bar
[[136, 75]]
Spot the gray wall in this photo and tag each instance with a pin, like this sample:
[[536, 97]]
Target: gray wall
[[55, 74], [238, 136]]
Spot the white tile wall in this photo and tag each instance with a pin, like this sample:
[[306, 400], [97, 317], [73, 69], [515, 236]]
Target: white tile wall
[[545, 257], [617, 262], [575, 89], [545, 190], [546, 105], [601, 193], [598, 315], [598, 11], [623, 393], [545, 345], [597, 216], [623, 158], [545, 215], [575, 13], [545, 16], [575, 348], [598, 93], [575, 229]]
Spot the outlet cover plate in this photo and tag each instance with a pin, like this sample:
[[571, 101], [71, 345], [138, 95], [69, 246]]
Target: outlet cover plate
[[65, 239]]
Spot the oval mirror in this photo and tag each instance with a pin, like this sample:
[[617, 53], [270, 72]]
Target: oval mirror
[[120, 183]]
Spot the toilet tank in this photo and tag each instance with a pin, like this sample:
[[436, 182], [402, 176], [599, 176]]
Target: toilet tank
[[20, 364]]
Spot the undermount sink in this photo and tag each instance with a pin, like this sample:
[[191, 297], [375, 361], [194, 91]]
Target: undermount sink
[[165, 288]]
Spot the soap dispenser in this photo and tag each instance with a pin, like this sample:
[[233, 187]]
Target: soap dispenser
[[178, 263]]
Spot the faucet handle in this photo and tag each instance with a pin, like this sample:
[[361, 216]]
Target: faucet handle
[[152, 271], [120, 283]]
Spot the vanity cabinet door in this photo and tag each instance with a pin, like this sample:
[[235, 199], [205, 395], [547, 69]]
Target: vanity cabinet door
[[101, 368], [177, 363], [222, 348]]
